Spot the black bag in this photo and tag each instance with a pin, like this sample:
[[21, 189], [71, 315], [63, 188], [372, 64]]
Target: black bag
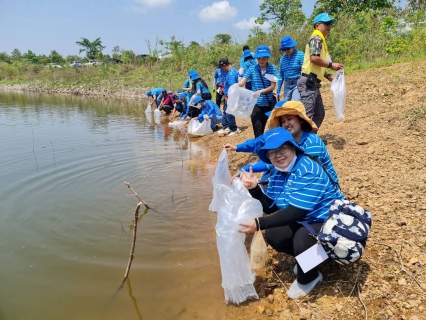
[[312, 81], [206, 96], [274, 99]]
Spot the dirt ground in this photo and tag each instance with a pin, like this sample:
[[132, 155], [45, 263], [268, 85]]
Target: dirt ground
[[379, 154]]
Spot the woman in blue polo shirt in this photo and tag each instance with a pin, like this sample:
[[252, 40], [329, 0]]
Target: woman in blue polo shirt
[[299, 190], [263, 77]]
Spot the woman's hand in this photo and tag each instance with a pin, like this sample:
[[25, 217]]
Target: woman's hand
[[230, 147], [249, 227], [250, 181], [256, 94]]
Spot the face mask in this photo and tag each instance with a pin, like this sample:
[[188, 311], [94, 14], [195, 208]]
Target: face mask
[[289, 167]]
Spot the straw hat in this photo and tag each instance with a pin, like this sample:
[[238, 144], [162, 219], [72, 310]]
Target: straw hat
[[295, 108]]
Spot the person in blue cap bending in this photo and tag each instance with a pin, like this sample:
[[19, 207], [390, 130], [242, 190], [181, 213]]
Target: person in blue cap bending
[[155, 95], [209, 110], [181, 106], [263, 77], [317, 60], [290, 69], [298, 190]]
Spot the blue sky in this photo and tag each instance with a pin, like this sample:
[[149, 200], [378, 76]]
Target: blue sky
[[45, 25]]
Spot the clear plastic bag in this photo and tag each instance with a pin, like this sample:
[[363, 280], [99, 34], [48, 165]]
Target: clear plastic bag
[[240, 101], [199, 129], [177, 123], [157, 113], [338, 87], [258, 251], [234, 205], [148, 109]]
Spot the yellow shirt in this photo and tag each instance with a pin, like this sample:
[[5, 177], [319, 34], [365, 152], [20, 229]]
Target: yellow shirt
[[308, 66]]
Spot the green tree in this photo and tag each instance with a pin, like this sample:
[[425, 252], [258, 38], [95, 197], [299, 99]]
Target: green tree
[[30, 57], [194, 44], [223, 38], [16, 54], [4, 57], [128, 56], [335, 7], [116, 52], [93, 49], [55, 57], [287, 13]]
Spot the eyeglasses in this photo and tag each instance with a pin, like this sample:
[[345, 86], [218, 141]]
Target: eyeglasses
[[271, 154], [328, 23]]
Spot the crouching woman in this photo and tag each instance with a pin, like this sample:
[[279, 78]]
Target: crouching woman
[[299, 190]]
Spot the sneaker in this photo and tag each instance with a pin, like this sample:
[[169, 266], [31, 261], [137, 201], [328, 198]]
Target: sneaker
[[215, 129], [223, 132], [234, 132], [298, 290]]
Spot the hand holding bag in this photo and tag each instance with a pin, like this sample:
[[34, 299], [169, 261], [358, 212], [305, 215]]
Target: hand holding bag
[[258, 251]]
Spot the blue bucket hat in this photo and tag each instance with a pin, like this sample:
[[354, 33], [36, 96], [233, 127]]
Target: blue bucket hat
[[198, 99], [278, 105], [274, 139], [149, 93], [194, 76], [182, 95], [323, 17], [287, 42], [191, 72], [262, 51], [246, 54]]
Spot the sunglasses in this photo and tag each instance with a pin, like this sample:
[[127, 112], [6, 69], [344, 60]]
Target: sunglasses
[[328, 23], [286, 49]]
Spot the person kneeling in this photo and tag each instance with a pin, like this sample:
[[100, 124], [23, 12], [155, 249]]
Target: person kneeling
[[298, 190], [209, 110]]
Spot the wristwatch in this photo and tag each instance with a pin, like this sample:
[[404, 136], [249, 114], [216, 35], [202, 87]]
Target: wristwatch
[[330, 64]]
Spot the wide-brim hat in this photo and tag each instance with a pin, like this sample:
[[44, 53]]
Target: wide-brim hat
[[191, 72], [197, 100], [295, 108], [262, 51], [194, 76], [323, 17], [247, 53], [274, 139], [287, 42], [182, 95]]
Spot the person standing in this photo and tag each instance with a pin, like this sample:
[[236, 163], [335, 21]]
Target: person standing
[[244, 55], [263, 77], [218, 81], [290, 69], [317, 60], [248, 62], [229, 125]]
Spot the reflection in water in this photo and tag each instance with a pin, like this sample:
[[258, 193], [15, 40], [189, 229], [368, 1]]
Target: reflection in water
[[135, 303], [62, 226]]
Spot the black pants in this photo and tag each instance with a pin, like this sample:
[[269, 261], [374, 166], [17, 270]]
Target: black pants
[[219, 99], [167, 109], [194, 112], [293, 240], [258, 119]]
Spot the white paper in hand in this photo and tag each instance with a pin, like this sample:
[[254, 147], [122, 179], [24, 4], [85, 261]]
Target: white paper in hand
[[271, 77]]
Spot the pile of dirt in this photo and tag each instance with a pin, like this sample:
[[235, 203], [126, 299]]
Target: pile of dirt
[[379, 153]]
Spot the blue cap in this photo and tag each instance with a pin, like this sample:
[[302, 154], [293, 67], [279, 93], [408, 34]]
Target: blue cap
[[149, 93], [323, 17], [191, 72], [197, 99], [262, 51], [274, 139], [246, 54], [287, 42], [278, 105], [194, 76], [182, 95]]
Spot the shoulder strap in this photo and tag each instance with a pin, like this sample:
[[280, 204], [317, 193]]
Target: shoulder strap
[[263, 83], [315, 158]]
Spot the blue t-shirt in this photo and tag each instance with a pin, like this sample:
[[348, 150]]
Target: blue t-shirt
[[306, 187], [200, 87], [248, 64], [256, 75], [187, 84], [310, 142], [209, 108], [291, 67], [242, 60], [185, 110], [219, 76], [231, 78], [157, 91]]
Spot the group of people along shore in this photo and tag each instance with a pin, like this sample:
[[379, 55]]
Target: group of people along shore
[[299, 181]]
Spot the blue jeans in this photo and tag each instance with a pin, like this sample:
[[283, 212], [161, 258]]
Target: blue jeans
[[228, 120], [290, 90], [159, 98], [215, 120]]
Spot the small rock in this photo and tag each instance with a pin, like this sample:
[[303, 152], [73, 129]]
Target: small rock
[[271, 298], [361, 142], [339, 307], [261, 309], [413, 260], [268, 312], [402, 282], [390, 313], [414, 318], [305, 314], [413, 303], [401, 222]]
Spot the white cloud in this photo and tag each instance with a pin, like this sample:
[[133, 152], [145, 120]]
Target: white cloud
[[221, 10], [250, 23], [155, 3]]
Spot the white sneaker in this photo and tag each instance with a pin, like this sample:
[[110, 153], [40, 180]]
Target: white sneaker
[[298, 290], [223, 132], [233, 133]]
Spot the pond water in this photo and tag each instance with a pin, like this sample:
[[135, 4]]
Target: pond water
[[66, 215]]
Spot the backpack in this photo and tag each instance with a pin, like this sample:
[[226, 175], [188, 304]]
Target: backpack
[[345, 231]]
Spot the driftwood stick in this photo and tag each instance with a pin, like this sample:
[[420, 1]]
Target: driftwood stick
[[136, 194]]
